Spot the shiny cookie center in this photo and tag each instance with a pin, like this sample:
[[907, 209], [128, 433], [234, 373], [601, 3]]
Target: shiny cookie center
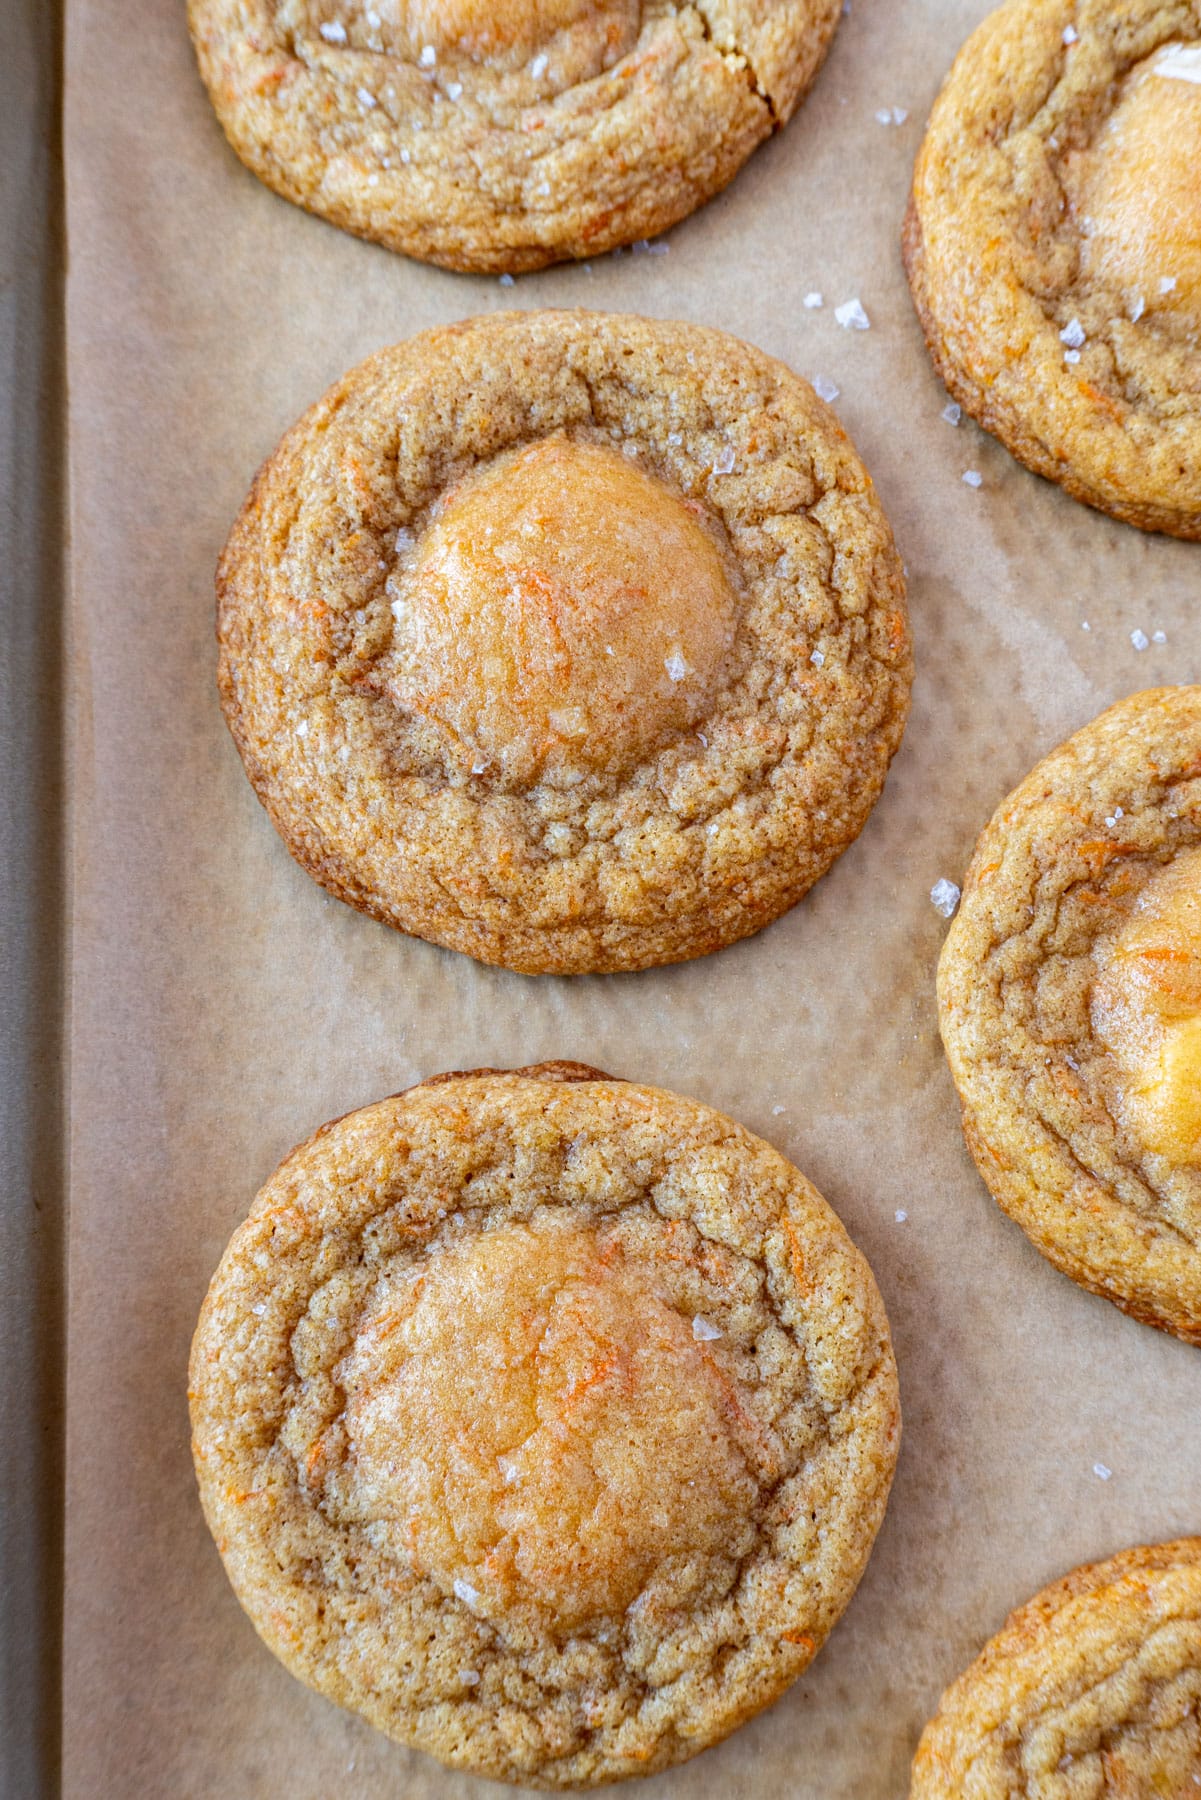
[[1138, 189], [531, 1422], [568, 40], [1147, 1011], [566, 613]]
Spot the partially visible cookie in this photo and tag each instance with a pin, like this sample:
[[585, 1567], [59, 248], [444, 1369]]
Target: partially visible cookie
[[1053, 245], [572, 641], [545, 1420], [502, 137], [1093, 1688], [1070, 1003]]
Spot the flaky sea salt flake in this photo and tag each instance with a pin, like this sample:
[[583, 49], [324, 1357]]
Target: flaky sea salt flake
[[366, 98], [1140, 640], [944, 897], [506, 281], [825, 390], [952, 412], [817, 658], [1072, 334], [465, 1592], [813, 299], [428, 57], [900, 1215], [1181, 63], [703, 1331], [675, 665], [538, 66], [723, 462], [1071, 356], [1102, 1472], [1159, 637], [851, 316], [973, 478], [1167, 284], [1070, 34], [332, 32]]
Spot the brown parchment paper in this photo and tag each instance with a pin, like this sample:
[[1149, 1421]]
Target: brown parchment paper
[[221, 1005]]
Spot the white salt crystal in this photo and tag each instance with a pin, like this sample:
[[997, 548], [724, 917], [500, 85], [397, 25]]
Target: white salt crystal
[[1140, 640], [952, 412], [851, 316], [703, 1331], [812, 300], [332, 32], [366, 99], [465, 1592], [723, 462], [901, 1215], [675, 665], [538, 66], [1100, 1470], [973, 477], [1182, 63], [1070, 34], [944, 897], [1072, 334], [428, 57], [825, 390]]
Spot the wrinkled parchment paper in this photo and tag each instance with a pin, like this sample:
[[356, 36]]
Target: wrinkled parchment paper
[[221, 1005]]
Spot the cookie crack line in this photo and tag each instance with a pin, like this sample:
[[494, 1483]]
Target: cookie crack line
[[734, 52]]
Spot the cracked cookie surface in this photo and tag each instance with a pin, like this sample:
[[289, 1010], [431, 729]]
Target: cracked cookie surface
[[571, 641], [1070, 1005], [1092, 1689], [1053, 245], [503, 138], [545, 1420]]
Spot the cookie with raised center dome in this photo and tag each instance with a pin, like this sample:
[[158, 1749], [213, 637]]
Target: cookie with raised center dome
[[1053, 245], [1070, 1003], [1092, 1688], [545, 1420], [503, 137], [571, 641]]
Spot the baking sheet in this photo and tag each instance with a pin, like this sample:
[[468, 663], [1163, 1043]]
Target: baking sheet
[[31, 566], [221, 1005]]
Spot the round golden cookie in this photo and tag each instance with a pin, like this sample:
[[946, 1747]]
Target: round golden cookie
[[1093, 1688], [1053, 244], [1070, 1002], [544, 1420], [497, 137], [571, 641]]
